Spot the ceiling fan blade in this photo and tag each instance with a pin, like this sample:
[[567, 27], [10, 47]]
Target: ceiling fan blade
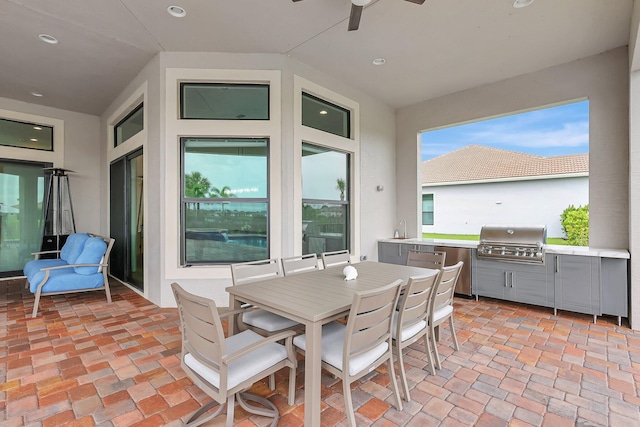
[[354, 18], [412, 1], [301, 0]]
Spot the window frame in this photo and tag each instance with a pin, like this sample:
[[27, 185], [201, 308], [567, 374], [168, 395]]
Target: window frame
[[228, 84], [351, 145], [433, 209], [331, 202], [31, 124], [330, 104], [139, 107], [184, 201]]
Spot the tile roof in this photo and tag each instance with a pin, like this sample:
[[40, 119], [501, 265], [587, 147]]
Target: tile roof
[[476, 162]]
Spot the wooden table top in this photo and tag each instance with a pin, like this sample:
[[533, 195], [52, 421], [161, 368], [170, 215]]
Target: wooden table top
[[318, 295]]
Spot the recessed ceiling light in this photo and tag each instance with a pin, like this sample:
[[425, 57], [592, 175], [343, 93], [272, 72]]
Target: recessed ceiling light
[[37, 128], [323, 112], [48, 39], [177, 11], [38, 94], [34, 139], [522, 3], [378, 61]]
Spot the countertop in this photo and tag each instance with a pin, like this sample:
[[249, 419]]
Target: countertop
[[551, 249]]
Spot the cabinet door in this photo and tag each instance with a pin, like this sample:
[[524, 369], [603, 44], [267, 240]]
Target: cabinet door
[[491, 281], [614, 286], [531, 287], [389, 252], [577, 283]]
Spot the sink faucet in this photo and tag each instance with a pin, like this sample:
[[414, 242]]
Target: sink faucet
[[404, 223]]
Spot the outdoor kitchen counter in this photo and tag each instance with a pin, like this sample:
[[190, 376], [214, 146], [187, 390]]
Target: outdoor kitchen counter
[[550, 249]]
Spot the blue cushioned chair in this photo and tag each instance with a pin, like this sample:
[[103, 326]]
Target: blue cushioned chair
[[82, 266]]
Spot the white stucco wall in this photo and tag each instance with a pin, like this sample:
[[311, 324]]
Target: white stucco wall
[[464, 209], [603, 79], [377, 167], [79, 151]]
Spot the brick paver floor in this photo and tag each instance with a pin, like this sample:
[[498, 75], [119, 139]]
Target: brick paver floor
[[83, 362]]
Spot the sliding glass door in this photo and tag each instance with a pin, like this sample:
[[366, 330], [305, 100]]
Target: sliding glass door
[[126, 219], [21, 195]]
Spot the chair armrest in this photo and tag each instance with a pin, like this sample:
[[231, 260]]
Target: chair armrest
[[58, 267], [288, 335], [37, 254]]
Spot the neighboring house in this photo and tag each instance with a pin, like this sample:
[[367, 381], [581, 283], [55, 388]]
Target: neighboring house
[[476, 185]]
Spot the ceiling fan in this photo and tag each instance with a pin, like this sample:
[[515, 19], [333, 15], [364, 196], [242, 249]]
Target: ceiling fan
[[356, 11]]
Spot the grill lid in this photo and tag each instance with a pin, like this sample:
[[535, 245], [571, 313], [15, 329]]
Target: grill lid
[[514, 235], [513, 243]]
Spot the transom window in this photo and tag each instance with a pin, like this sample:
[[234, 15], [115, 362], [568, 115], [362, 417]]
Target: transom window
[[224, 200], [224, 101], [129, 126], [325, 116], [26, 135]]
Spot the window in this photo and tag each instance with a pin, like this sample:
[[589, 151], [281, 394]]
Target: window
[[129, 126], [223, 101], [325, 116], [225, 201], [325, 199], [26, 135], [427, 209]]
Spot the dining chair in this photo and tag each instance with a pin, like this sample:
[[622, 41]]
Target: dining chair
[[426, 259], [336, 258], [441, 307], [259, 320], [411, 322], [224, 367], [351, 351], [299, 264]]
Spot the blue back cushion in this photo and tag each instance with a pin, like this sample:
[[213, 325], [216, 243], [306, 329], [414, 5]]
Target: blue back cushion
[[73, 247], [94, 249]]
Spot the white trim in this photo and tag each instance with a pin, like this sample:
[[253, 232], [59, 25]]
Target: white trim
[[132, 144], [136, 141], [313, 136], [16, 153], [176, 128], [508, 179]]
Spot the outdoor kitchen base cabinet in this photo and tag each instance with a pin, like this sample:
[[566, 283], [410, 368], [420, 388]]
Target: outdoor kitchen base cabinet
[[526, 283], [577, 284]]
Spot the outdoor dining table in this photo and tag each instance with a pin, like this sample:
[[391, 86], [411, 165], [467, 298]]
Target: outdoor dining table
[[314, 299]]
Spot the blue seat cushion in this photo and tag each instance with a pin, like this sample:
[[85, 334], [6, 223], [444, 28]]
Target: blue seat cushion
[[65, 279], [92, 253], [33, 266], [73, 247]]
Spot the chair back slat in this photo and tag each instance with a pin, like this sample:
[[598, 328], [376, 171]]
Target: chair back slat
[[202, 332], [254, 271], [426, 259], [414, 303], [370, 319], [443, 294], [300, 264], [336, 258]]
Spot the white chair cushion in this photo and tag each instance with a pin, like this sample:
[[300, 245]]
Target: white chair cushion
[[333, 344], [328, 331], [246, 366], [409, 332], [268, 321], [442, 313]]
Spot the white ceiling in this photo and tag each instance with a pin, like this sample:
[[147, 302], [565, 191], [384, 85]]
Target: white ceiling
[[440, 47]]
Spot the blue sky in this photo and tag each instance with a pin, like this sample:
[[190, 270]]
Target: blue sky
[[547, 132]]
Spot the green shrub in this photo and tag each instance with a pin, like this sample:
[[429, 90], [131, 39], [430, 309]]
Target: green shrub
[[575, 224]]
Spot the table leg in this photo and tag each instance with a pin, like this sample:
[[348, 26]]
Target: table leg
[[233, 319], [312, 369]]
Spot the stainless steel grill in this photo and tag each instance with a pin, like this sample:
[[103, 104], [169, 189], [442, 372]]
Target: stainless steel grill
[[511, 243]]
